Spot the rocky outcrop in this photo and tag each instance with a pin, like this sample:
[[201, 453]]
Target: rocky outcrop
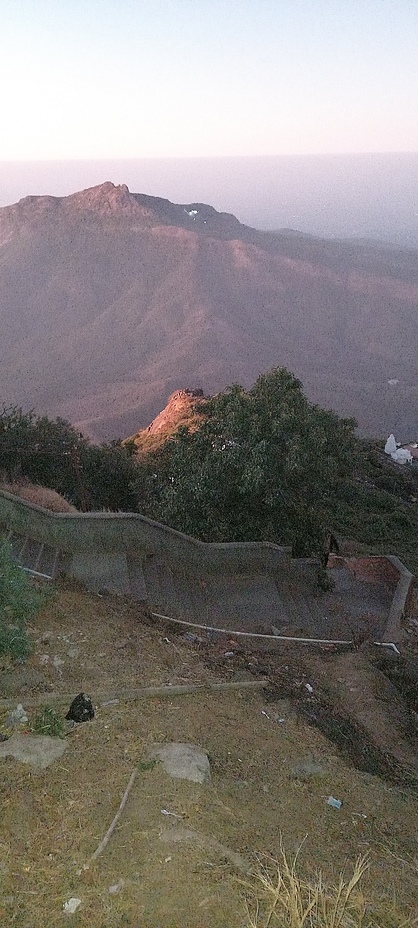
[[183, 409]]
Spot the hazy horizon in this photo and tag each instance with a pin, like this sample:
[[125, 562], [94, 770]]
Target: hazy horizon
[[364, 195], [298, 114]]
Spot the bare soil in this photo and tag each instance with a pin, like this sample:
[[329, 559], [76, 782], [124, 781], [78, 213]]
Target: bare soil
[[272, 772]]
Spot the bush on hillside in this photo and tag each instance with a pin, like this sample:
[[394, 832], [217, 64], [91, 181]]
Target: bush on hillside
[[53, 454], [19, 602]]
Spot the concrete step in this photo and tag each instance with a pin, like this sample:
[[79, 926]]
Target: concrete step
[[35, 556], [137, 583], [152, 581], [298, 617], [186, 598]]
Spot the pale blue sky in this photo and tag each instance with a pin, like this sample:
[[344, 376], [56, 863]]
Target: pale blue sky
[[87, 79]]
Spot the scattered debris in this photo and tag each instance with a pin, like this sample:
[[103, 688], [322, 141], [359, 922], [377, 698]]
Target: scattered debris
[[306, 768], [195, 639], [16, 717], [116, 888], [334, 803], [71, 906], [121, 643], [58, 663], [81, 709], [166, 812]]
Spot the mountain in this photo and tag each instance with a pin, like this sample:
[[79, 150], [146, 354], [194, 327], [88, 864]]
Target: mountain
[[110, 301]]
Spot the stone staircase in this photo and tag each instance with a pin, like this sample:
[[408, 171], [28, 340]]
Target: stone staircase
[[248, 587], [235, 601], [35, 557]]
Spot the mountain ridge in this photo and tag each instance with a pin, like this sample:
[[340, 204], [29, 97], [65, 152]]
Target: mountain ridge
[[110, 300]]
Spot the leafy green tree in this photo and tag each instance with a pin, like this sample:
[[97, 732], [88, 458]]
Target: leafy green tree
[[109, 473], [264, 465], [53, 454], [16, 429]]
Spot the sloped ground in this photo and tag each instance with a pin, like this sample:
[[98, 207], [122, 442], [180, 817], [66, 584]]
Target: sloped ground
[[38, 495], [271, 776]]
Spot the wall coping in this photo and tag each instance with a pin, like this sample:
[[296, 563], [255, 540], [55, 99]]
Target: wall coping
[[156, 530]]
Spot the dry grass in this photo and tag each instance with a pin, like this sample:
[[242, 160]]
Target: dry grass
[[280, 896], [39, 496]]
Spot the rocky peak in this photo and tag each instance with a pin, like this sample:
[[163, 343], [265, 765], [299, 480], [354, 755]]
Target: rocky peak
[[180, 403], [105, 199], [182, 409]]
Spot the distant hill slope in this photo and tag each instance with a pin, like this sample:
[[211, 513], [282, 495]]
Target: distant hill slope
[[109, 300]]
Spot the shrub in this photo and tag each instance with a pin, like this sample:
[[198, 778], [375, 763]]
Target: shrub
[[49, 722], [19, 602]]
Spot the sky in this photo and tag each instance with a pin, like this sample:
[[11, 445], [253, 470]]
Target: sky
[[149, 79]]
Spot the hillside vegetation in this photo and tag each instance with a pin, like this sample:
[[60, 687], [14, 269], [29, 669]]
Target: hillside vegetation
[[246, 465]]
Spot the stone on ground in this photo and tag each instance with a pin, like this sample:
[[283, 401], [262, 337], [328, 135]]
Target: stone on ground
[[37, 750], [183, 761]]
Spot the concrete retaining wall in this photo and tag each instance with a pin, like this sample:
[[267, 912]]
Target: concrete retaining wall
[[102, 534], [249, 585], [128, 553], [389, 571], [401, 596]]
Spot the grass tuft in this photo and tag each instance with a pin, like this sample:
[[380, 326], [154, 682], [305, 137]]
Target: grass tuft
[[279, 897], [49, 722]]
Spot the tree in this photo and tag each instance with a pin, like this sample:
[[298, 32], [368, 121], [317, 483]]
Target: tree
[[16, 428], [110, 472], [264, 465], [53, 454]]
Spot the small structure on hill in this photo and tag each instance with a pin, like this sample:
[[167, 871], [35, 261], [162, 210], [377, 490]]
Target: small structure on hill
[[400, 454]]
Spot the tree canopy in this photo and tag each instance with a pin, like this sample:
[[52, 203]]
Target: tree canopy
[[263, 465], [53, 454]]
